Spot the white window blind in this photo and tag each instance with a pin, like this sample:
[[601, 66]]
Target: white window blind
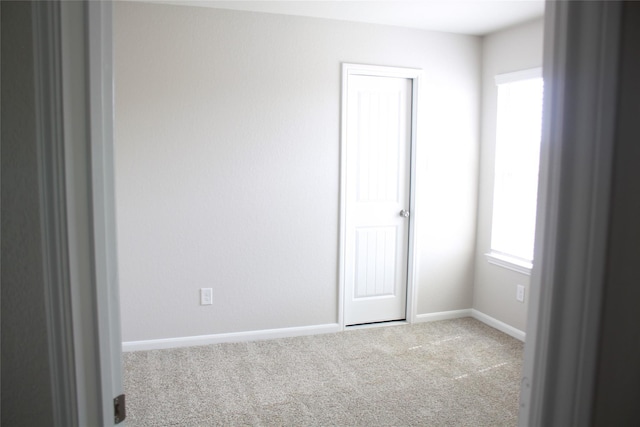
[[518, 134]]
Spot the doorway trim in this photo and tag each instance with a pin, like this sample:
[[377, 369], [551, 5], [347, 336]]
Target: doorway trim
[[74, 124], [568, 279], [415, 75]]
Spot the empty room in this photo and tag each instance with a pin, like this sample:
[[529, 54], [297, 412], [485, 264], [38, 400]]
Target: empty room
[[239, 210], [312, 216]]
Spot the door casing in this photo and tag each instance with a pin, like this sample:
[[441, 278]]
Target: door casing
[[414, 75]]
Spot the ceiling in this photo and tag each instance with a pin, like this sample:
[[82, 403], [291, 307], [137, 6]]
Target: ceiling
[[475, 17]]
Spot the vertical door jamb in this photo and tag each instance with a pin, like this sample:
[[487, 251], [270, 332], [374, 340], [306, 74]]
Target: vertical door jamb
[[74, 99]]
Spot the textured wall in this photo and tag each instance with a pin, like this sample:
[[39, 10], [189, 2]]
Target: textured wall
[[227, 138], [510, 50], [26, 387]]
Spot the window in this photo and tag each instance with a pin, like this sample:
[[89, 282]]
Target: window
[[515, 190]]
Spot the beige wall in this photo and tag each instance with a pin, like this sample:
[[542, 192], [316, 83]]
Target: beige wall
[[227, 165], [514, 49]]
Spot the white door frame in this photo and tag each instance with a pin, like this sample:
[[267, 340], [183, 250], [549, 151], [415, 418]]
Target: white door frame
[[572, 229], [74, 112], [379, 71]]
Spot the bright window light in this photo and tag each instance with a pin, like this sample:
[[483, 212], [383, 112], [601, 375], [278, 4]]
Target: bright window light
[[516, 166]]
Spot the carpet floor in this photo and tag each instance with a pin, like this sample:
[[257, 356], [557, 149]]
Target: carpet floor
[[448, 373]]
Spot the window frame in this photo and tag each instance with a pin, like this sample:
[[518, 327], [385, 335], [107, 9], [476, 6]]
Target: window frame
[[497, 257]]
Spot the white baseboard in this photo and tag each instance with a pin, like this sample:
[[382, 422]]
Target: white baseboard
[[165, 343], [159, 344], [442, 315], [497, 324]]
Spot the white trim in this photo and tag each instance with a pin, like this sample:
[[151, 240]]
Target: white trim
[[80, 216], [567, 281], [380, 71], [456, 314], [343, 197], [412, 255], [416, 76], [57, 274], [266, 334], [101, 112], [510, 263], [499, 325], [166, 343], [516, 76], [73, 124], [442, 315]]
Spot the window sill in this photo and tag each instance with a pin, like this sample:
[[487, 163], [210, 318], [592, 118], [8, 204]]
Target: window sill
[[510, 263]]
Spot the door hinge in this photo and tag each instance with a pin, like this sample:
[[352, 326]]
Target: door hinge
[[119, 409]]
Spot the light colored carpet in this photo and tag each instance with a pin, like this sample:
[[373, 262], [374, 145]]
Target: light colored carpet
[[448, 373]]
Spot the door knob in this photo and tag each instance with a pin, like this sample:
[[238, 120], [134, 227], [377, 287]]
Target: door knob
[[404, 213]]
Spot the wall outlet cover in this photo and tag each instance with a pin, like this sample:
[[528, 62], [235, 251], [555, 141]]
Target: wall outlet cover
[[206, 296]]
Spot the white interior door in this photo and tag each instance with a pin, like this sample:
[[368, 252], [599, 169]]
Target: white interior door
[[378, 141]]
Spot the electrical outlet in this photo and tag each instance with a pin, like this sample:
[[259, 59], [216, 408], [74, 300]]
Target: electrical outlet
[[520, 293], [206, 296]]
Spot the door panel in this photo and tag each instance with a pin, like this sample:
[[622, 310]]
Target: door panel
[[375, 259], [378, 188]]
